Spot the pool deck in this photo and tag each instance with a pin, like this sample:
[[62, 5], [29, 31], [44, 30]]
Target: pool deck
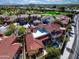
[[68, 45]]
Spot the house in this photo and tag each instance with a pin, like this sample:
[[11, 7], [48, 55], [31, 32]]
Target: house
[[38, 36], [3, 29], [21, 21], [23, 16], [47, 19], [9, 48], [64, 19], [13, 18], [54, 27], [33, 46], [35, 15]]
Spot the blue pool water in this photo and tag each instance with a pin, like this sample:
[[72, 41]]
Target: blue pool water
[[42, 30], [45, 21], [53, 33], [56, 44]]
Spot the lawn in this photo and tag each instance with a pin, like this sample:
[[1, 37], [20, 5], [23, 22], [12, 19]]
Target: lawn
[[54, 13]]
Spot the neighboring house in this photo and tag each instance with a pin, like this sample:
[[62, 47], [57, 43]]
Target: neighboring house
[[23, 16], [9, 48], [64, 19], [13, 18], [36, 15], [68, 9], [36, 22], [3, 29], [21, 21], [48, 19], [54, 27]]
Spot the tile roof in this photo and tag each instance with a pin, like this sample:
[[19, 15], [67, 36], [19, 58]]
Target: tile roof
[[50, 27], [8, 49], [8, 52], [32, 44], [8, 40], [42, 38]]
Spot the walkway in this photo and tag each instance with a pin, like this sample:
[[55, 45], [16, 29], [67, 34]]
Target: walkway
[[69, 45]]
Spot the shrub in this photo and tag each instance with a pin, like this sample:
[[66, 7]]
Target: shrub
[[21, 30], [53, 53], [10, 29]]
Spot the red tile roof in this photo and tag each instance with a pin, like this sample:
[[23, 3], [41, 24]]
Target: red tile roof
[[8, 52], [42, 38], [52, 27], [7, 49], [8, 40], [32, 44]]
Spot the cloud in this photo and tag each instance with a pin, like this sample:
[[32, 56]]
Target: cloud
[[55, 0], [35, 1], [38, 1]]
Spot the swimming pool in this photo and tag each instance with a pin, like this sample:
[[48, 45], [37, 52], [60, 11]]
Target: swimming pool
[[40, 32], [56, 44]]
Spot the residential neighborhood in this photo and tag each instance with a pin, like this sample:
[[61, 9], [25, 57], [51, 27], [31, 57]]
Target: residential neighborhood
[[34, 36], [39, 29]]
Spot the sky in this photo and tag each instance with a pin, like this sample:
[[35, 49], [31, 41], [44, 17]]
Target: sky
[[4, 2]]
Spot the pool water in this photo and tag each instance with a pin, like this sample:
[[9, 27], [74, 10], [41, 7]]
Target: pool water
[[56, 44], [40, 32], [45, 21]]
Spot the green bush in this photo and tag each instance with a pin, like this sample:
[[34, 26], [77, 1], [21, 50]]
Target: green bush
[[21, 30], [60, 23], [42, 58], [53, 53], [1, 22], [8, 32], [10, 29]]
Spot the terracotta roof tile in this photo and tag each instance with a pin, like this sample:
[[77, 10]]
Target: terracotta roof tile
[[32, 44], [8, 52], [8, 49], [50, 27]]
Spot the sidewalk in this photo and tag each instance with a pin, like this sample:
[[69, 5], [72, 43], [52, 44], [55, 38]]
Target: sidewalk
[[69, 45]]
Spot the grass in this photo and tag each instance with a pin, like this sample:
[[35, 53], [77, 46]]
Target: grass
[[54, 13]]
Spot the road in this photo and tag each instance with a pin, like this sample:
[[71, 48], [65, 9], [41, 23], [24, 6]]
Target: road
[[75, 48]]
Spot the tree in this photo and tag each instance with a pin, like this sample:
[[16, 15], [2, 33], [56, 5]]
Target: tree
[[59, 22], [62, 9], [1, 20], [21, 30], [53, 53], [10, 29]]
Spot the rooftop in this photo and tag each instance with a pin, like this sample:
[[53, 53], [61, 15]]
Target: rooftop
[[7, 47], [32, 44]]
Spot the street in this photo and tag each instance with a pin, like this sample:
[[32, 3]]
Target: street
[[75, 48]]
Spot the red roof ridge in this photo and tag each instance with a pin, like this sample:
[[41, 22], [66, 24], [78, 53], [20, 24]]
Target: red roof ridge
[[39, 42]]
